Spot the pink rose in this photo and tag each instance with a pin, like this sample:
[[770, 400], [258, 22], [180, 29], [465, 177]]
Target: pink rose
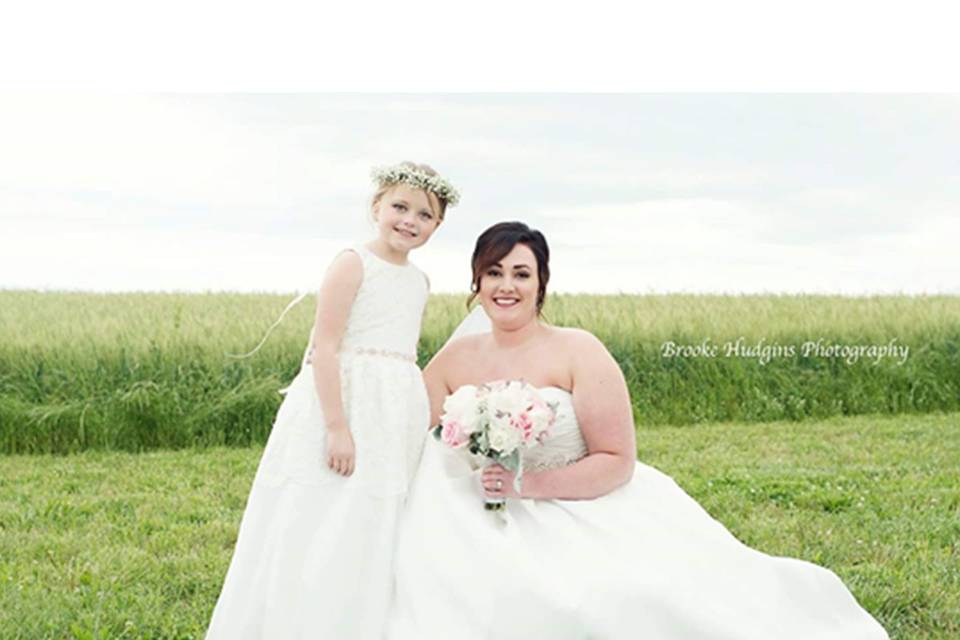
[[454, 434], [524, 424]]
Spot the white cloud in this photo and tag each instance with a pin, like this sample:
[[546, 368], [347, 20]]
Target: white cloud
[[164, 149], [712, 245], [132, 259], [635, 193]]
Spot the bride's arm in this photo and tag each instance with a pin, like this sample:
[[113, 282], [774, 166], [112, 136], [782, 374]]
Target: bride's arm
[[434, 377], [602, 404]]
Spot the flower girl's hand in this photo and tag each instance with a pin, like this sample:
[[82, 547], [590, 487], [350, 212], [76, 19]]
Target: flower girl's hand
[[498, 482], [341, 454]]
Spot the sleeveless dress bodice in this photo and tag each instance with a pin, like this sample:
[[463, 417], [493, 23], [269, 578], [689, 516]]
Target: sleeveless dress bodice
[[386, 312], [388, 308]]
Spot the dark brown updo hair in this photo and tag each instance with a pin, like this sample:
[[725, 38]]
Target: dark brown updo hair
[[499, 240]]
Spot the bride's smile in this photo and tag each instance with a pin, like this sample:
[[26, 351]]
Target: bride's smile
[[508, 288]]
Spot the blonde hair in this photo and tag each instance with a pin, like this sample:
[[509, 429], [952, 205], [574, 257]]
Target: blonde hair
[[431, 197]]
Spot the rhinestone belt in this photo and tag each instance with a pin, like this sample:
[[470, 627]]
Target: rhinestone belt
[[370, 351]]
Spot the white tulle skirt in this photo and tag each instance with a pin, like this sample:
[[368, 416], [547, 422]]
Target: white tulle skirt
[[314, 554], [645, 561]]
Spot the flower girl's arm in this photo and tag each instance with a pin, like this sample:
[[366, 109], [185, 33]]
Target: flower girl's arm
[[602, 404], [334, 300]]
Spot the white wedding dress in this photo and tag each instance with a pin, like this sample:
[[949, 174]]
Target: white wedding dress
[[642, 562], [314, 555]]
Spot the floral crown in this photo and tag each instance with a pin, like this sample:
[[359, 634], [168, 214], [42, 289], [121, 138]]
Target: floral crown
[[418, 179]]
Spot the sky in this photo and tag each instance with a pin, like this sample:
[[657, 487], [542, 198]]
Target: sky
[[638, 193]]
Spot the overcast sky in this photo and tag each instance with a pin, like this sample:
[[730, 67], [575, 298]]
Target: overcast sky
[[843, 193]]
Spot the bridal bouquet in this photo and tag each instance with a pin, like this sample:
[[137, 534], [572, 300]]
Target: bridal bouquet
[[498, 420]]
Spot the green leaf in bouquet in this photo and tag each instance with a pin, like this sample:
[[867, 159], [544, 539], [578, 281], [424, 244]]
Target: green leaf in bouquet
[[512, 461], [515, 464]]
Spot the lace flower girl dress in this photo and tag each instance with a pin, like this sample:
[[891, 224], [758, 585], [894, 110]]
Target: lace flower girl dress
[[314, 555]]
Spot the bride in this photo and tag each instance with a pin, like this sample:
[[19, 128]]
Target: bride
[[596, 545]]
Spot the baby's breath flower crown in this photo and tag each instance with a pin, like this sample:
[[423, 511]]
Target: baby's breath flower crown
[[384, 176]]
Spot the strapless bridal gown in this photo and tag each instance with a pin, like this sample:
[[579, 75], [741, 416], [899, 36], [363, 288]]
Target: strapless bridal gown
[[642, 562]]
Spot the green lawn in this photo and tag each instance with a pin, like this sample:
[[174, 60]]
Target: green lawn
[[120, 545]]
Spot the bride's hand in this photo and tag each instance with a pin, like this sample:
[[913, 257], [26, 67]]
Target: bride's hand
[[341, 454], [491, 476]]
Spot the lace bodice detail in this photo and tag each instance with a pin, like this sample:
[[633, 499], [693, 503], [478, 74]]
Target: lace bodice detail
[[565, 443], [385, 315]]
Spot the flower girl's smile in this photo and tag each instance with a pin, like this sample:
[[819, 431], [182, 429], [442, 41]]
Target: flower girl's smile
[[406, 218]]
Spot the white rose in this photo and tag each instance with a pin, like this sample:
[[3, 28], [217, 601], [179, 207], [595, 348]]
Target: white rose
[[504, 437], [512, 399], [463, 407]]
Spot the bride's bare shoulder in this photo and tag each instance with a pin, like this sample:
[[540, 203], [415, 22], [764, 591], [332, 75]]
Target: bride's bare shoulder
[[460, 348], [468, 344], [591, 366], [575, 341]]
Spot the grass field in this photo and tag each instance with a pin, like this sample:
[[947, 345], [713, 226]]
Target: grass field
[[107, 544], [850, 465], [148, 371]]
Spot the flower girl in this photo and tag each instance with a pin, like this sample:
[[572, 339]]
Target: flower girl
[[314, 555]]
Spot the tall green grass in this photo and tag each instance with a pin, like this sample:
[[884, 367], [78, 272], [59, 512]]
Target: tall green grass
[[150, 370]]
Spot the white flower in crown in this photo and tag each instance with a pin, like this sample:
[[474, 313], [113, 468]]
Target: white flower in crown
[[418, 179]]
